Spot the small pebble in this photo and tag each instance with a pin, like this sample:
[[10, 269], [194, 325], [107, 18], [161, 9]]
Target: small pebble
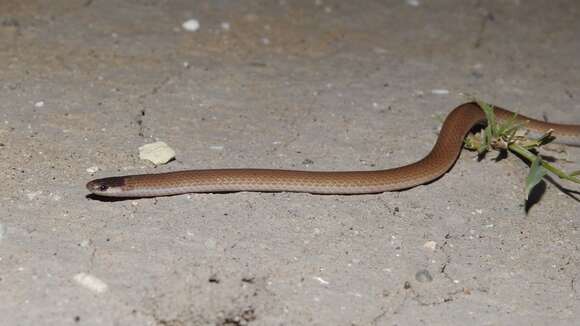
[[33, 195], [92, 169], [210, 243], [91, 282], [85, 243], [157, 153], [423, 276], [39, 104], [225, 26], [321, 280], [439, 91], [414, 3], [190, 25], [430, 245]]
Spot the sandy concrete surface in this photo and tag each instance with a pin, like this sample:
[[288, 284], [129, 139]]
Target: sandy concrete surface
[[317, 85]]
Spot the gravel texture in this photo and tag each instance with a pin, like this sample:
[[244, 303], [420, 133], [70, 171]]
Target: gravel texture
[[319, 85]]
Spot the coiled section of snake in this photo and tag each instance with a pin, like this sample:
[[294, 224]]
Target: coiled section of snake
[[441, 158]]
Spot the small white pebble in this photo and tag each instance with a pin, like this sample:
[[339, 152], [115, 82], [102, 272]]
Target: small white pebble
[[321, 280], [328, 9], [91, 282], [216, 147], [432, 245], [414, 3], [157, 153], [92, 169], [39, 104], [479, 211], [86, 243], [190, 25], [33, 195], [265, 41], [210, 243], [439, 91], [225, 26]]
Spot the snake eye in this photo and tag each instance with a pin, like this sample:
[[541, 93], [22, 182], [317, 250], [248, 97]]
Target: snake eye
[[103, 187]]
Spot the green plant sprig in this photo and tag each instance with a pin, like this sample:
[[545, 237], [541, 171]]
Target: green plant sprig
[[509, 135]]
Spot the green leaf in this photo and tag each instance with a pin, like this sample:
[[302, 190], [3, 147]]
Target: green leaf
[[490, 131], [488, 110], [537, 172]]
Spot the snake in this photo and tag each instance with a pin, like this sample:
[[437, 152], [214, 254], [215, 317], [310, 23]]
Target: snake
[[457, 124]]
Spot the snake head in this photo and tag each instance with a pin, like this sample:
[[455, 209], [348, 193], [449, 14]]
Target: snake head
[[107, 187]]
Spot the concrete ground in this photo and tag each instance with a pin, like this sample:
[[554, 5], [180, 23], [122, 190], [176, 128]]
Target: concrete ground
[[316, 85]]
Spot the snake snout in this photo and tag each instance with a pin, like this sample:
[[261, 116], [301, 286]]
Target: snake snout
[[106, 186]]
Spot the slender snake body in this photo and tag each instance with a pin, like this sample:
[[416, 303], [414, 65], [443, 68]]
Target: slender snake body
[[441, 158]]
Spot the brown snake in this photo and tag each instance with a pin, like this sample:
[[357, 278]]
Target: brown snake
[[441, 158]]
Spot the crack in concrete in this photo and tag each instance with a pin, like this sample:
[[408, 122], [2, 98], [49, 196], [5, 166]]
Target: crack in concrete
[[140, 119], [488, 17]]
